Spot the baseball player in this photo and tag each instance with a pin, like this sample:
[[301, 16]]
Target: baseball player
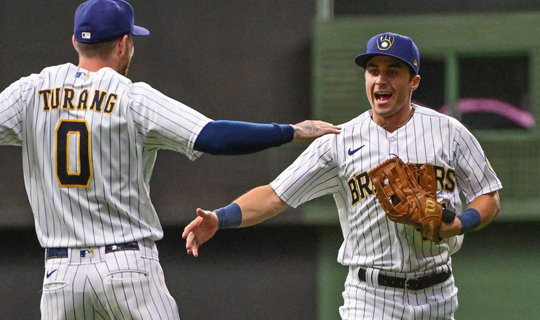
[[393, 272], [89, 140]]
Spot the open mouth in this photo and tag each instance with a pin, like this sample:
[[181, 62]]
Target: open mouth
[[383, 96]]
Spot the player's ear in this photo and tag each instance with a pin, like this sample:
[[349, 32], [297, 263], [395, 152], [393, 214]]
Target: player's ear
[[123, 44], [74, 42], [415, 82]]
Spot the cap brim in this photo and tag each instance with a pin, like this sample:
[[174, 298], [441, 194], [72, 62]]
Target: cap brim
[[363, 59], [140, 31]]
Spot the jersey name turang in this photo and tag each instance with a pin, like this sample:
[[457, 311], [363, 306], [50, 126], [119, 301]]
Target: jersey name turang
[[70, 98]]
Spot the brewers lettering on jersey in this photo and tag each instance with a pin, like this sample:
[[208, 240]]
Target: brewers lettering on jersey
[[89, 139], [393, 272]]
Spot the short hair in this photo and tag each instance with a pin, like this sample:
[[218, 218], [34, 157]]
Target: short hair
[[101, 50]]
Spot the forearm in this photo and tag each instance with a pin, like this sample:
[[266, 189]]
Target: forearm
[[254, 207], [237, 137], [260, 204], [487, 207]]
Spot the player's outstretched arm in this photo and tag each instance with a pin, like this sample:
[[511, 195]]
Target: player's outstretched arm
[[254, 207], [311, 129], [224, 137]]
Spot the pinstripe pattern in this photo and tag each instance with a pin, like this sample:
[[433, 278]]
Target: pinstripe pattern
[[116, 206], [369, 301], [370, 239], [121, 285], [89, 142]]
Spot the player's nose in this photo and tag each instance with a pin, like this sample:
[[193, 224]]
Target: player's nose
[[381, 80]]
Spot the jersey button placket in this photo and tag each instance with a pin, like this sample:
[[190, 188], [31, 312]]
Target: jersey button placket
[[392, 144]]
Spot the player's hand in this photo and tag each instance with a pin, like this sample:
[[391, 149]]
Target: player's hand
[[450, 229], [311, 129], [200, 230]]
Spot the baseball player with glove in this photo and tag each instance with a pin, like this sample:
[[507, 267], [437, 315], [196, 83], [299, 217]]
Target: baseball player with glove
[[89, 140], [396, 173]]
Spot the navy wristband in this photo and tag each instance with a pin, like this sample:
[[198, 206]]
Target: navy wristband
[[229, 216], [470, 220]]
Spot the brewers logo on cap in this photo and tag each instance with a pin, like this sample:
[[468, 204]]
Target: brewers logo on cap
[[385, 42], [393, 45]]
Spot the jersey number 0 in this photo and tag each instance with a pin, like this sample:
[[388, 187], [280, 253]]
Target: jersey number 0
[[73, 162]]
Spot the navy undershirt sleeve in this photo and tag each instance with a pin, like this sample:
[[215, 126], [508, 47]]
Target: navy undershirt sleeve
[[225, 137]]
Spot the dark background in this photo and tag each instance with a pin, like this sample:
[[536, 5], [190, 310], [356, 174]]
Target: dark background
[[236, 60], [239, 60]]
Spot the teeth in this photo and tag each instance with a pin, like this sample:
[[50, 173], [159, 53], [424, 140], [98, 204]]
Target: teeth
[[382, 95]]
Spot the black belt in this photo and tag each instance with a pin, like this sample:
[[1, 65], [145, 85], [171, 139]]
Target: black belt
[[52, 253], [416, 283]]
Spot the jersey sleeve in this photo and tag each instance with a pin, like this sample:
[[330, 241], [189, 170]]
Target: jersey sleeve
[[474, 172], [12, 100], [164, 123], [313, 174]]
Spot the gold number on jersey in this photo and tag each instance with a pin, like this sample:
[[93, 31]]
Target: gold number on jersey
[[73, 161]]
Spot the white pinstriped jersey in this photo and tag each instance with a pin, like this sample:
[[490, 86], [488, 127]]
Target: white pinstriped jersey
[[338, 165], [89, 142]]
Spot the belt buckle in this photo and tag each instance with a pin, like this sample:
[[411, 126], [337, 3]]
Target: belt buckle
[[407, 282]]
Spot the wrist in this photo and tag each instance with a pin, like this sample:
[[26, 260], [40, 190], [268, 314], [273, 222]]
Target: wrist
[[448, 216], [450, 226], [288, 132], [470, 220], [229, 216]]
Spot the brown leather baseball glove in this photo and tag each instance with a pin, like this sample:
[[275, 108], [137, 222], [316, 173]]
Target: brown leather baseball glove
[[408, 195]]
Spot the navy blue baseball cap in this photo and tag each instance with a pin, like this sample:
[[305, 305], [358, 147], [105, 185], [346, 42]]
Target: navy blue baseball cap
[[103, 20], [393, 45]]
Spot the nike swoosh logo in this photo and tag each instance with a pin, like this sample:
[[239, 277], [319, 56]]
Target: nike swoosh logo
[[351, 152], [50, 273]]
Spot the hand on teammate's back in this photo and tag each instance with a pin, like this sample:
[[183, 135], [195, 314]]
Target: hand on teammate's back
[[312, 129]]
